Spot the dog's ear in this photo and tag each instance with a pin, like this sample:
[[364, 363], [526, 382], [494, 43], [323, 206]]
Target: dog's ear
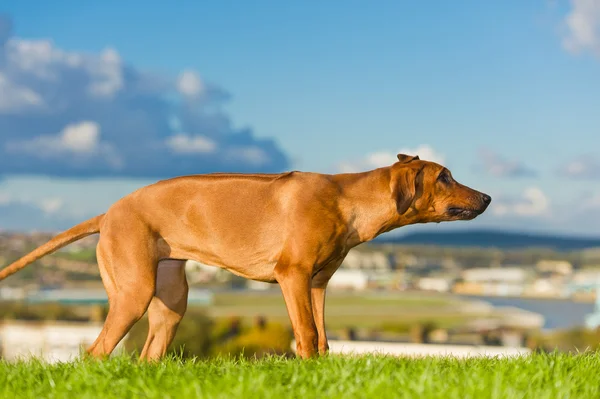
[[403, 158], [403, 185]]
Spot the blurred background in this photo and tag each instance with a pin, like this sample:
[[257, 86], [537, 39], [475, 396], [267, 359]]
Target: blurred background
[[98, 99]]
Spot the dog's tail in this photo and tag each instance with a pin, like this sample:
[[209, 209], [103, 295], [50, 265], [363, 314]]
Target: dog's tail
[[75, 233]]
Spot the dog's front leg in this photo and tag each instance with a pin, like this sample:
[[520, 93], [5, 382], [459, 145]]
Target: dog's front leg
[[319, 285], [318, 304], [295, 283]]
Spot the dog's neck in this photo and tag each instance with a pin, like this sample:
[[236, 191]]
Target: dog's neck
[[368, 205]]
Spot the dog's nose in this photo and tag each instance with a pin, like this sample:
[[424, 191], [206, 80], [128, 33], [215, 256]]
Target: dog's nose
[[486, 199]]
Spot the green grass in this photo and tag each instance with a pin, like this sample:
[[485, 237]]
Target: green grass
[[538, 376], [346, 308], [338, 298]]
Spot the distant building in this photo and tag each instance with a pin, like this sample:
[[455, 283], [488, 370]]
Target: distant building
[[88, 242], [87, 296], [363, 260], [259, 285], [438, 284], [546, 287], [584, 282], [495, 274], [12, 293], [406, 260], [561, 267], [427, 268], [349, 279], [586, 276], [79, 296], [500, 281], [51, 341], [200, 273]]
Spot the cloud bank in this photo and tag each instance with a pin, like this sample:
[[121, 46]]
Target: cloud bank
[[385, 158], [74, 114], [585, 167], [532, 203], [583, 27], [496, 165]]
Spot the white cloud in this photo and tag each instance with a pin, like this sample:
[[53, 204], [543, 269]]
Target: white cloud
[[584, 167], [51, 205], [380, 159], [82, 137], [24, 216], [583, 27], [46, 62], [16, 98], [38, 57], [47, 205], [5, 198], [107, 73], [579, 214], [425, 152], [184, 144], [533, 202], [189, 84], [575, 168], [498, 166], [590, 202], [385, 158], [250, 154], [348, 167], [81, 140]]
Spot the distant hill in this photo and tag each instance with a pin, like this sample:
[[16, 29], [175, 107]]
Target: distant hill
[[490, 238]]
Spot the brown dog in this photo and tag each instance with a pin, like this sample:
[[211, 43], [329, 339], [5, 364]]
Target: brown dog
[[292, 228]]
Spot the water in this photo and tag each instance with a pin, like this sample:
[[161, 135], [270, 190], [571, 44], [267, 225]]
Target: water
[[558, 313]]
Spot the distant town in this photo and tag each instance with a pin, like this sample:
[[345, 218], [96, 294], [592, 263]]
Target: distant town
[[525, 272]]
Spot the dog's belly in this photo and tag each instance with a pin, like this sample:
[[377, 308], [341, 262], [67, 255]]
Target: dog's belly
[[254, 264], [261, 272]]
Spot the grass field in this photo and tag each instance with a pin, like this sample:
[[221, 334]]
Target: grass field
[[539, 376], [346, 308]]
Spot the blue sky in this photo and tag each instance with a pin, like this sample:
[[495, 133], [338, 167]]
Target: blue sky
[[104, 97]]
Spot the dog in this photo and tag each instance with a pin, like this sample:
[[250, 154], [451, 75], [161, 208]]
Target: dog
[[293, 228]]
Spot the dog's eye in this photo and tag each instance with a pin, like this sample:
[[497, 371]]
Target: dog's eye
[[445, 178]]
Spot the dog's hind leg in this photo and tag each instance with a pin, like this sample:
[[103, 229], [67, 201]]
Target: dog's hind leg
[[128, 269], [166, 309]]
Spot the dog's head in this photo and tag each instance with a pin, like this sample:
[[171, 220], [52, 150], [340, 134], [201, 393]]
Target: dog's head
[[426, 192]]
